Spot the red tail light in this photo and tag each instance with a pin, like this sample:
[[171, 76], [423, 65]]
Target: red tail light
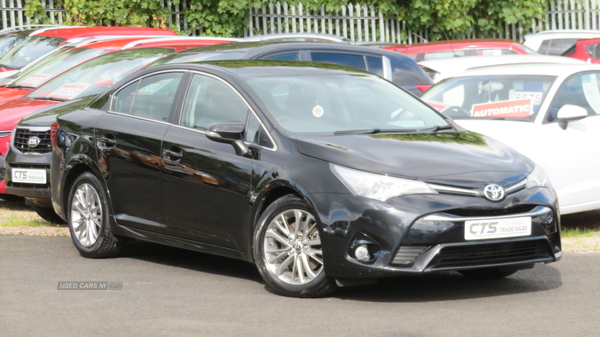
[[53, 133], [423, 87]]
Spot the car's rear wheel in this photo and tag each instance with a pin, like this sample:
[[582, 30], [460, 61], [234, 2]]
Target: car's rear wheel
[[287, 250], [48, 214], [488, 273], [88, 219]]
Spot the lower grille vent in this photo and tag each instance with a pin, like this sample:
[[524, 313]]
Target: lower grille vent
[[495, 253], [408, 254]]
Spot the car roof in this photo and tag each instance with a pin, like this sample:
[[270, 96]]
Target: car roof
[[271, 37], [530, 69], [481, 61], [259, 68], [82, 32], [176, 42], [456, 43], [253, 48], [558, 34]]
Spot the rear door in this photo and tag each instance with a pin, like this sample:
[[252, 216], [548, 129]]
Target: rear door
[[206, 186], [129, 139]]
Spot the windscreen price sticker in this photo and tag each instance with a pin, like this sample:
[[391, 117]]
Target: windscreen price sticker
[[69, 91], [34, 80], [516, 108], [497, 228], [536, 97]]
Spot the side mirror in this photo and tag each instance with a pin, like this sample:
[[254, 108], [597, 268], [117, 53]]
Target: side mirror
[[569, 113], [230, 133]]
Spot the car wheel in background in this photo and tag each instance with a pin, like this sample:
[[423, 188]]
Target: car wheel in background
[[287, 250], [88, 219], [48, 214], [488, 273]]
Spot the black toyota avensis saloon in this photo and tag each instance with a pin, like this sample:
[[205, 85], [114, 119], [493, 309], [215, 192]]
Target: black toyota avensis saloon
[[320, 174]]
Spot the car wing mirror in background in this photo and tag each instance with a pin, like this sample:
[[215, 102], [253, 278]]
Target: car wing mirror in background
[[569, 113], [230, 133]]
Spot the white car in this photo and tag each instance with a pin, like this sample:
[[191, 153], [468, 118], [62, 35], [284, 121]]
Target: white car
[[556, 42], [444, 68], [549, 113]]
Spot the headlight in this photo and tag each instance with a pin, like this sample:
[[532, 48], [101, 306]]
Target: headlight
[[376, 186], [538, 178]]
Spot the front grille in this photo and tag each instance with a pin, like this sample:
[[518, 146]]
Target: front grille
[[22, 137], [408, 254], [491, 212], [493, 253]]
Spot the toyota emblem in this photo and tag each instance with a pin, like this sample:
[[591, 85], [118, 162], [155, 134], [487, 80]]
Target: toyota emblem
[[493, 192], [33, 141]]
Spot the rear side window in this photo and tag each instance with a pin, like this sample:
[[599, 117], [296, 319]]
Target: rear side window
[[406, 73], [375, 65], [593, 50], [351, 60], [153, 98], [556, 46], [288, 57]]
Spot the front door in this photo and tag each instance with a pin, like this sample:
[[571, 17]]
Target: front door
[[206, 185]]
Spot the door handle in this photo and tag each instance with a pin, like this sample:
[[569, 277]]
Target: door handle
[[172, 156]]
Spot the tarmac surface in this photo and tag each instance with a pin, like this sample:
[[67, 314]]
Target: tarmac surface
[[172, 292]]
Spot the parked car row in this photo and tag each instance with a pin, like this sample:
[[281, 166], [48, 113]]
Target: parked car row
[[315, 161]]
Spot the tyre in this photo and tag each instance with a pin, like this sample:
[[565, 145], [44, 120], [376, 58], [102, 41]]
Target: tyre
[[88, 219], [488, 273], [48, 214], [287, 250]]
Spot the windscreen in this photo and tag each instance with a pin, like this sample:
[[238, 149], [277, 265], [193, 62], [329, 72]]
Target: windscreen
[[493, 96], [96, 75], [330, 103], [55, 66], [28, 50], [8, 41]]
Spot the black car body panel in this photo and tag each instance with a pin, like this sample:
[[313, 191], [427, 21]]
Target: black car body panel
[[171, 184]]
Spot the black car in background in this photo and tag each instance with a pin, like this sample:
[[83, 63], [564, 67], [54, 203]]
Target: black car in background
[[393, 66], [321, 175]]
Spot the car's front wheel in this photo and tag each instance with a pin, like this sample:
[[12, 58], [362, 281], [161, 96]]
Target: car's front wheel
[[287, 250], [88, 219]]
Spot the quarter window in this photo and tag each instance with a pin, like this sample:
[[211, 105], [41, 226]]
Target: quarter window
[[210, 101]]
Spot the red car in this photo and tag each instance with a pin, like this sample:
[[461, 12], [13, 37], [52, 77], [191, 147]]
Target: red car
[[87, 50], [39, 44], [460, 48], [586, 50], [87, 79]]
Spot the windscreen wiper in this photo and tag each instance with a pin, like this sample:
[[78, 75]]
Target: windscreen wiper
[[438, 128], [371, 131], [49, 99], [6, 66], [19, 87]]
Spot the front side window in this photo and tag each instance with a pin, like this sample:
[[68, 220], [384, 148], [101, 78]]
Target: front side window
[[288, 56], [210, 101], [582, 90], [96, 75], [491, 96], [317, 103]]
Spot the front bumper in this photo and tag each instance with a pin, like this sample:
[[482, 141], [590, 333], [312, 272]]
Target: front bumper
[[426, 233], [39, 194]]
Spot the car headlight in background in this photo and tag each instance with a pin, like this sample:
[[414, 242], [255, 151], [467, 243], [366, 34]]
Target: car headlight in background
[[376, 186], [538, 178]]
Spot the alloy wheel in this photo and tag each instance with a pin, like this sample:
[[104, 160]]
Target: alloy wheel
[[86, 214]]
